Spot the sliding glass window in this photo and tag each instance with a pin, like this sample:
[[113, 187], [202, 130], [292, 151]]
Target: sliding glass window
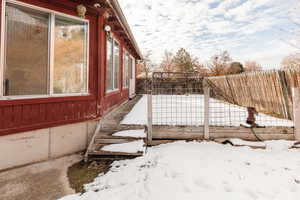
[[26, 51], [70, 58], [45, 53], [112, 65], [126, 70]]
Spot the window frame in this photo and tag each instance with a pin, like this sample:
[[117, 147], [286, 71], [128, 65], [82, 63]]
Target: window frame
[[52, 14], [130, 77], [125, 64], [113, 40]]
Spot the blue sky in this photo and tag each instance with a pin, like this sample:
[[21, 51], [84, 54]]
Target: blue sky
[[249, 29]]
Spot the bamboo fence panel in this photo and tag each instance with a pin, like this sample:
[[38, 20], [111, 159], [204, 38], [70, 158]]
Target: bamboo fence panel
[[269, 92]]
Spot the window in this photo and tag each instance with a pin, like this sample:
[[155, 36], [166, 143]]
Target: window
[[113, 65], [110, 66], [116, 64], [70, 57], [26, 51], [44, 53], [126, 70], [128, 65]]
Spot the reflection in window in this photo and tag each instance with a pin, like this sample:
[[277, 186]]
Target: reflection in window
[[130, 67], [116, 65], [109, 68], [126, 71], [26, 52], [70, 58], [112, 65], [27, 55]]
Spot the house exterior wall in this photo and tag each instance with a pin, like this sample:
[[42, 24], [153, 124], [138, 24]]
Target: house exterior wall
[[43, 144], [21, 115]]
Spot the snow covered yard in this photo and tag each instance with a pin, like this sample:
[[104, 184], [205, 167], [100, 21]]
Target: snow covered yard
[[207, 170], [189, 110]]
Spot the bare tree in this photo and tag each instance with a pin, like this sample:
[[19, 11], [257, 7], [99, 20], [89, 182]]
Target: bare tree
[[167, 63], [252, 65], [219, 63], [202, 69], [291, 61], [146, 66]]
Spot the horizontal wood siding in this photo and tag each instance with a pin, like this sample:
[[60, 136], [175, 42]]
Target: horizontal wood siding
[[115, 98], [29, 114], [17, 118]]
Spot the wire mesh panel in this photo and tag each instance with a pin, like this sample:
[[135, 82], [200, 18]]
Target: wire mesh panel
[[177, 99], [180, 110]]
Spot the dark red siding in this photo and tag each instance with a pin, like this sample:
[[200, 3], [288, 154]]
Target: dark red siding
[[30, 114]]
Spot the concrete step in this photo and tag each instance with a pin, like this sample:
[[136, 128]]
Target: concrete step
[[111, 124], [109, 135], [97, 150], [108, 153], [114, 140], [122, 127], [159, 142]]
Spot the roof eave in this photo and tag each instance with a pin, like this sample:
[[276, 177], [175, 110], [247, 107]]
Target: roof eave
[[121, 17]]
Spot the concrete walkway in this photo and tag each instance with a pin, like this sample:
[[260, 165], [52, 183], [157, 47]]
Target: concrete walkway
[[42, 181]]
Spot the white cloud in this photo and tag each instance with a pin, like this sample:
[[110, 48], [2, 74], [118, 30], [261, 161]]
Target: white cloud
[[204, 27]]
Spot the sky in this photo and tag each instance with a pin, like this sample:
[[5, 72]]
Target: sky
[[260, 30]]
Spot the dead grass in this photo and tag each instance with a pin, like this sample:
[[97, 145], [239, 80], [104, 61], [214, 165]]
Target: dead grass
[[83, 173]]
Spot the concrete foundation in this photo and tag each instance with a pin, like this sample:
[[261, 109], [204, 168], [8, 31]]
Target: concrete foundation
[[39, 145]]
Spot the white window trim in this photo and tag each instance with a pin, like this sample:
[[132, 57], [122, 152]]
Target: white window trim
[[113, 65], [132, 65], [52, 15]]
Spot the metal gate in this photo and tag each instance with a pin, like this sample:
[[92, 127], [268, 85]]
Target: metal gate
[[175, 106]]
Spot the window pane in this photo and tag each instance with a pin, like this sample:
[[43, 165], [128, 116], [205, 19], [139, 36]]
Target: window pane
[[116, 65], [126, 69], [70, 56], [109, 68], [130, 68], [26, 63]]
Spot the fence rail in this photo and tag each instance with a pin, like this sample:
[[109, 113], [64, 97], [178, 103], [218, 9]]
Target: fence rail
[[219, 108]]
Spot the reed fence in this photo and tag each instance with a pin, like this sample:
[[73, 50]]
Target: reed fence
[[270, 92]]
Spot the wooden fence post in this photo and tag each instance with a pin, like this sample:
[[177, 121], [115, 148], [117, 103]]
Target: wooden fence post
[[149, 115], [296, 108], [206, 112]]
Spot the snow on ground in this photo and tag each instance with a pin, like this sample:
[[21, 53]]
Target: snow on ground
[[189, 110], [140, 133], [130, 147], [207, 170], [138, 114], [279, 144]]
